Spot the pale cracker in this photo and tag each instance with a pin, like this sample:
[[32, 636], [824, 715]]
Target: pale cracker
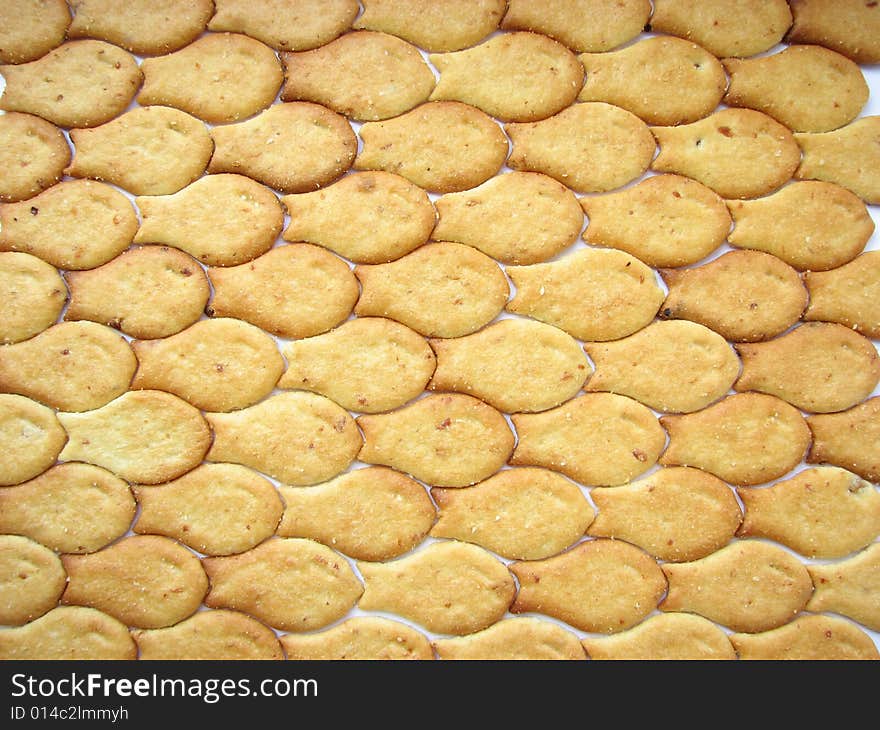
[[33, 433], [32, 295], [849, 587], [849, 439], [33, 155], [361, 638], [808, 638], [848, 295], [524, 638], [850, 27], [29, 30], [32, 579]]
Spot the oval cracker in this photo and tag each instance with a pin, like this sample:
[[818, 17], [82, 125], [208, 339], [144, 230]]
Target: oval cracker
[[33, 433], [360, 638], [32, 579], [34, 155], [524, 638], [32, 295]]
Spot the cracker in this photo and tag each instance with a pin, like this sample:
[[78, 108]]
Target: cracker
[[217, 635], [848, 295], [675, 366], [69, 633], [675, 514], [290, 584], [591, 294], [73, 366], [820, 367], [292, 291], [725, 27], [368, 217], [524, 638], [145, 27], [285, 25], [582, 25], [663, 220], [849, 156], [597, 439], [745, 296], [745, 439], [515, 77], [850, 27], [74, 225], [32, 295], [807, 638], [364, 75], [849, 587], [33, 155], [848, 439], [386, 364], [601, 586], [292, 147], [589, 146], [216, 509], [79, 84], [145, 581], [665, 636], [33, 433], [516, 218], [296, 437], [219, 78], [513, 364], [811, 225], [441, 146], [222, 220], [218, 364], [738, 153], [448, 26], [32, 579], [371, 513], [821, 512], [143, 436], [145, 292], [807, 88], [519, 514], [71, 508], [447, 440], [29, 30], [441, 289], [662, 80], [362, 638], [449, 587], [748, 585], [146, 151]]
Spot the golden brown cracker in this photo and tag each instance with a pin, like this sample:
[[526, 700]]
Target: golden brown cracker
[[523, 638], [745, 438], [850, 27], [441, 289], [361, 638], [597, 439], [143, 436], [807, 638], [519, 514], [365, 75], [217, 635], [849, 587], [745, 296], [848, 295], [145, 292], [373, 513], [589, 146], [849, 439], [71, 508], [296, 437], [675, 514], [449, 587], [33, 433], [290, 584], [368, 217], [74, 225], [591, 294], [32, 579], [292, 147], [819, 367], [292, 291], [216, 509], [146, 151], [33, 153], [441, 146], [32, 295], [29, 30], [738, 153], [444, 439], [516, 218], [385, 363], [599, 586], [145, 581], [662, 80], [513, 364], [748, 585]]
